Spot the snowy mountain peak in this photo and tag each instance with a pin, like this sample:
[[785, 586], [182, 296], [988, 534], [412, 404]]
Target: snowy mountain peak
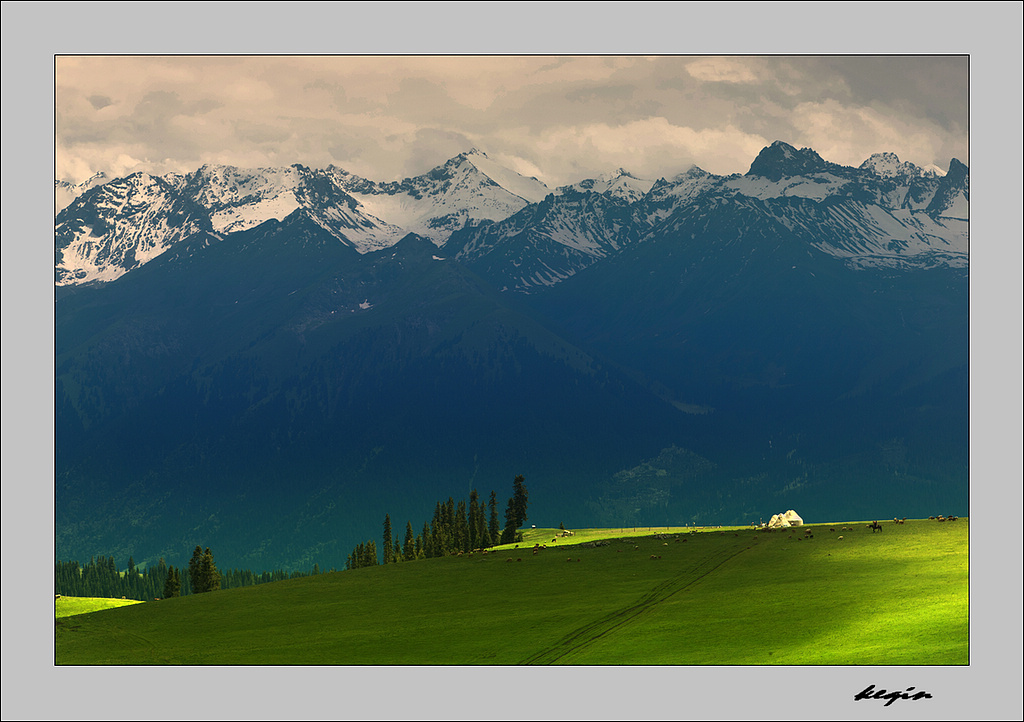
[[887, 165], [109, 229], [65, 192], [693, 172], [619, 184]]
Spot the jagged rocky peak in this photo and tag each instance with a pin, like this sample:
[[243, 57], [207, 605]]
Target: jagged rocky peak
[[781, 160], [957, 171], [888, 165]]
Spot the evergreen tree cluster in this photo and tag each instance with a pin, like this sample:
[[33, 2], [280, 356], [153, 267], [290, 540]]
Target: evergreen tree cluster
[[101, 578], [202, 572], [364, 555], [456, 527]]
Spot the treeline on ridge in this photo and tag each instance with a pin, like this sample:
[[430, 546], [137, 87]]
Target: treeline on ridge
[[456, 527], [101, 578]]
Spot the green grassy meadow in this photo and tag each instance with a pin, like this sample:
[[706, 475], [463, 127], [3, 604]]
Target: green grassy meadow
[[714, 597], [71, 606]]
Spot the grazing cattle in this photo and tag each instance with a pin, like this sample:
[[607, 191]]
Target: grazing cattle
[[57, 597], [840, 536], [509, 559], [519, 560]]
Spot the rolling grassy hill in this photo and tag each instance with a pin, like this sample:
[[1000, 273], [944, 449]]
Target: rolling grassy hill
[[604, 597]]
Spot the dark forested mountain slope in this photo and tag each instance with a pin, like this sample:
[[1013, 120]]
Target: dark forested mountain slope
[[269, 370]]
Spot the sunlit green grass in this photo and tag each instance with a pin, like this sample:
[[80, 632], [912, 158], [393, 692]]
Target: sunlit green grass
[[70, 606], [721, 597]]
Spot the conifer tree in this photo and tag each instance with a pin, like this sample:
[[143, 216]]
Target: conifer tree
[[492, 525], [425, 547], [388, 550], [508, 534], [172, 587], [209, 576], [370, 551], [195, 565], [474, 520], [519, 499], [409, 547], [460, 532], [515, 512]]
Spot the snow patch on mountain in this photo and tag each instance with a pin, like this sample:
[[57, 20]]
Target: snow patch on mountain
[[816, 187], [469, 189], [65, 192], [529, 189], [240, 199], [128, 222], [898, 238], [885, 211], [620, 184]]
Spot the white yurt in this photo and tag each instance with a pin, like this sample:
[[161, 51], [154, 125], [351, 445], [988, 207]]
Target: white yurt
[[782, 521]]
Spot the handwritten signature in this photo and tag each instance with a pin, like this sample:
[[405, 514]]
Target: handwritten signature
[[872, 693]]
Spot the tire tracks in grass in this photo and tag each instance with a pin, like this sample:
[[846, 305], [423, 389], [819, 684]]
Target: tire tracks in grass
[[589, 633]]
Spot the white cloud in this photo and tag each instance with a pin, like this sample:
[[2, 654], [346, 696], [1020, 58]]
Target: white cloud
[[848, 135], [558, 118], [649, 147], [722, 70]]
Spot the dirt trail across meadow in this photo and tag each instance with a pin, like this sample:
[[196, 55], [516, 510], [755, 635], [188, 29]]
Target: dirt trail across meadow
[[589, 633]]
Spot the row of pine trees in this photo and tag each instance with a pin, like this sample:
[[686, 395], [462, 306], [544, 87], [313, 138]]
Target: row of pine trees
[[456, 527], [101, 578]]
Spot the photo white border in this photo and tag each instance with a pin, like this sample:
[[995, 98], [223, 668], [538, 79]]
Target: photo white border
[[33, 32]]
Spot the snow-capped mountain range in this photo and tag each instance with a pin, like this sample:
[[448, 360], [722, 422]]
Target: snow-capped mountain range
[[279, 354], [883, 213]]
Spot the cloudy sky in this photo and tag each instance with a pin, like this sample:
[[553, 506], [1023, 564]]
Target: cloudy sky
[[560, 118]]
